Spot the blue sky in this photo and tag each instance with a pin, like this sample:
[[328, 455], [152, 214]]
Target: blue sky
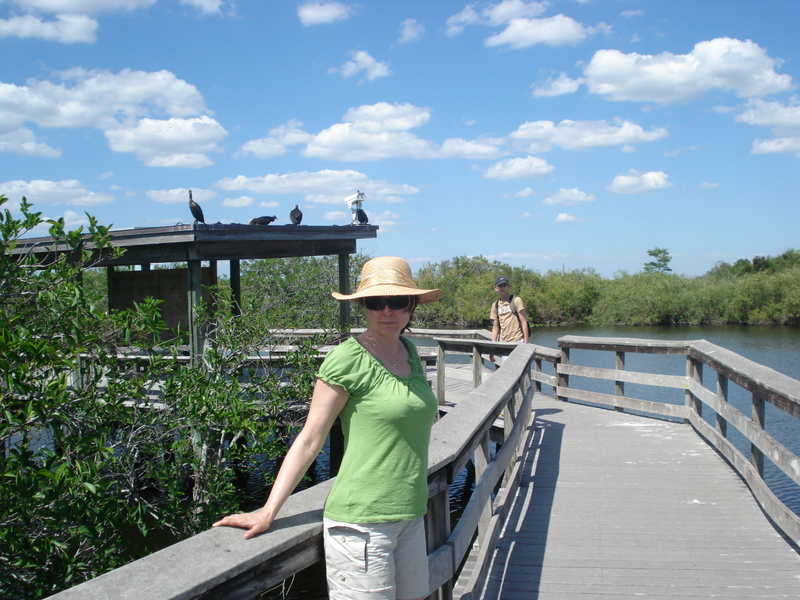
[[562, 134]]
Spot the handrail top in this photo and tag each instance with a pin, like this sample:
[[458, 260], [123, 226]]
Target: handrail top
[[625, 344]]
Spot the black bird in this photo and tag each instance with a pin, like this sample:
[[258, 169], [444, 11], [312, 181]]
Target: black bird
[[262, 220], [362, 217], [197, 212], [296, 215]]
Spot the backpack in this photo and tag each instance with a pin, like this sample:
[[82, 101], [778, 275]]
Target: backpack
[[514, 311]]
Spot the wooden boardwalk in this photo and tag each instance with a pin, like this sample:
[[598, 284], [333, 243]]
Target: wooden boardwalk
[[617, 506]]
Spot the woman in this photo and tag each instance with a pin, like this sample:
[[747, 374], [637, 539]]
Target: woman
[[373, 529]]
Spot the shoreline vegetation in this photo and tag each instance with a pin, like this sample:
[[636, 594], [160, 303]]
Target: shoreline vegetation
[[103, 461]]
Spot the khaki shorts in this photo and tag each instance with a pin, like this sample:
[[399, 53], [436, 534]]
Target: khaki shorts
[[376, 561]]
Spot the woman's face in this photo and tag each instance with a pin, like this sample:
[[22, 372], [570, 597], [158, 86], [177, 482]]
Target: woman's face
[[387, 320]]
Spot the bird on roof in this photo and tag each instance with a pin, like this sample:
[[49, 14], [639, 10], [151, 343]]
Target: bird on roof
[[361, 216], [197, 212], [261, 220], [296, 215]]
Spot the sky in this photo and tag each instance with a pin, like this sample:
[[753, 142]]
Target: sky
[[553, 135]]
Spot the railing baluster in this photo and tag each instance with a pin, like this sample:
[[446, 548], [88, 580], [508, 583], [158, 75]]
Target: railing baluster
[[619, 386], [756, 456], [722, 392], [563, 380]]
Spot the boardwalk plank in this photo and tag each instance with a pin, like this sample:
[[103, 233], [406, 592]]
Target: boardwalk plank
[[619, 506]]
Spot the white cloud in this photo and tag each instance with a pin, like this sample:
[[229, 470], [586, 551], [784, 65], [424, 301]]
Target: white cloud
[[638, 182], [240, 202], [123, 105], [22, 141], [327, 186], [784, 144], [494, 14], [68, 191], [784, 121], [382, 117], [373, 132], [338, 215], [276, 142], [553, 31], [568, 197], [180, 195], [708, 185], [66, 29], [385, 220], [558, 87], [525, 193], [727, 64], [322, 13], [82, 7], [410, 31], [772, 114], [566, 218], [530, 167], [456, 147], [171, 142], [207, 7], [541, 136], [362, 62]]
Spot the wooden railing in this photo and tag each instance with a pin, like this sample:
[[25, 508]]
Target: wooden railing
[[762, 384], [219, 564]]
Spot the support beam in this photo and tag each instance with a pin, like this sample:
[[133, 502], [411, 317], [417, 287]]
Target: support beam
[[236, 286], [195, 297], [344, 288]]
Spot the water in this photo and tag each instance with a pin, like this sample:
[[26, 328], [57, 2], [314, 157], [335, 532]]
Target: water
[[775, 347]]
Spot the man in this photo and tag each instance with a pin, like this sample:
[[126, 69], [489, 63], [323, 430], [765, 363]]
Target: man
[[509, 323]]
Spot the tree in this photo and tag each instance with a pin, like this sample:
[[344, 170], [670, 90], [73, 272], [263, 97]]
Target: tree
[[103, 460], [660, 264]]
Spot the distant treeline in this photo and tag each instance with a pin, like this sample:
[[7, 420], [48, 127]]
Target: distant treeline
[[764, 290], [295, 293]]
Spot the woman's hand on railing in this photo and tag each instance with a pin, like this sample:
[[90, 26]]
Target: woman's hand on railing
[[254, 522]]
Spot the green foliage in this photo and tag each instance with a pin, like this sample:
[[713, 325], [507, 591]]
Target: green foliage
[[660, 263], [103, 460], [783, 262], [468, 283], [296, 292]]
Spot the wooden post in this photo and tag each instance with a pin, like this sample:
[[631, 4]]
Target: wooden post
[[722, 393], [477, 367], [481, 459], [437, 530], [619, 386], [563, 380], [756, 456], [194, 291], [694, 372], [110, 288], [344, 288], [440, 373], [236, 286], [537, 366]]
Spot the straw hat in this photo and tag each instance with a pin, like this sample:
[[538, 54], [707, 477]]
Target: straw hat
[[388, 276]]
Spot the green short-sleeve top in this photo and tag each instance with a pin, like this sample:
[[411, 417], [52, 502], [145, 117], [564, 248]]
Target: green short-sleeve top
[[386, 425]]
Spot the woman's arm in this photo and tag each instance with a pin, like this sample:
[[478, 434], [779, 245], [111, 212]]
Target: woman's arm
[[326, 404]]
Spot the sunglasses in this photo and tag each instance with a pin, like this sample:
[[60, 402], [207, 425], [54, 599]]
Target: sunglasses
[[393, 302]]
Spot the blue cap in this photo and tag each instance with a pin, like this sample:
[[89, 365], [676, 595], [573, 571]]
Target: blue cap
[[501, 280]]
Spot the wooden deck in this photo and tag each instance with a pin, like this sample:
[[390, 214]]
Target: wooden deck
[[613, 505]]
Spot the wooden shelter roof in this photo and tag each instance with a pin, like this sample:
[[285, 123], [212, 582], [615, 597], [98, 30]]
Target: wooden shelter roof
[[181, 243]]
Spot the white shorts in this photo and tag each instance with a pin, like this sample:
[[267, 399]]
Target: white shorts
[[376, 561]]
